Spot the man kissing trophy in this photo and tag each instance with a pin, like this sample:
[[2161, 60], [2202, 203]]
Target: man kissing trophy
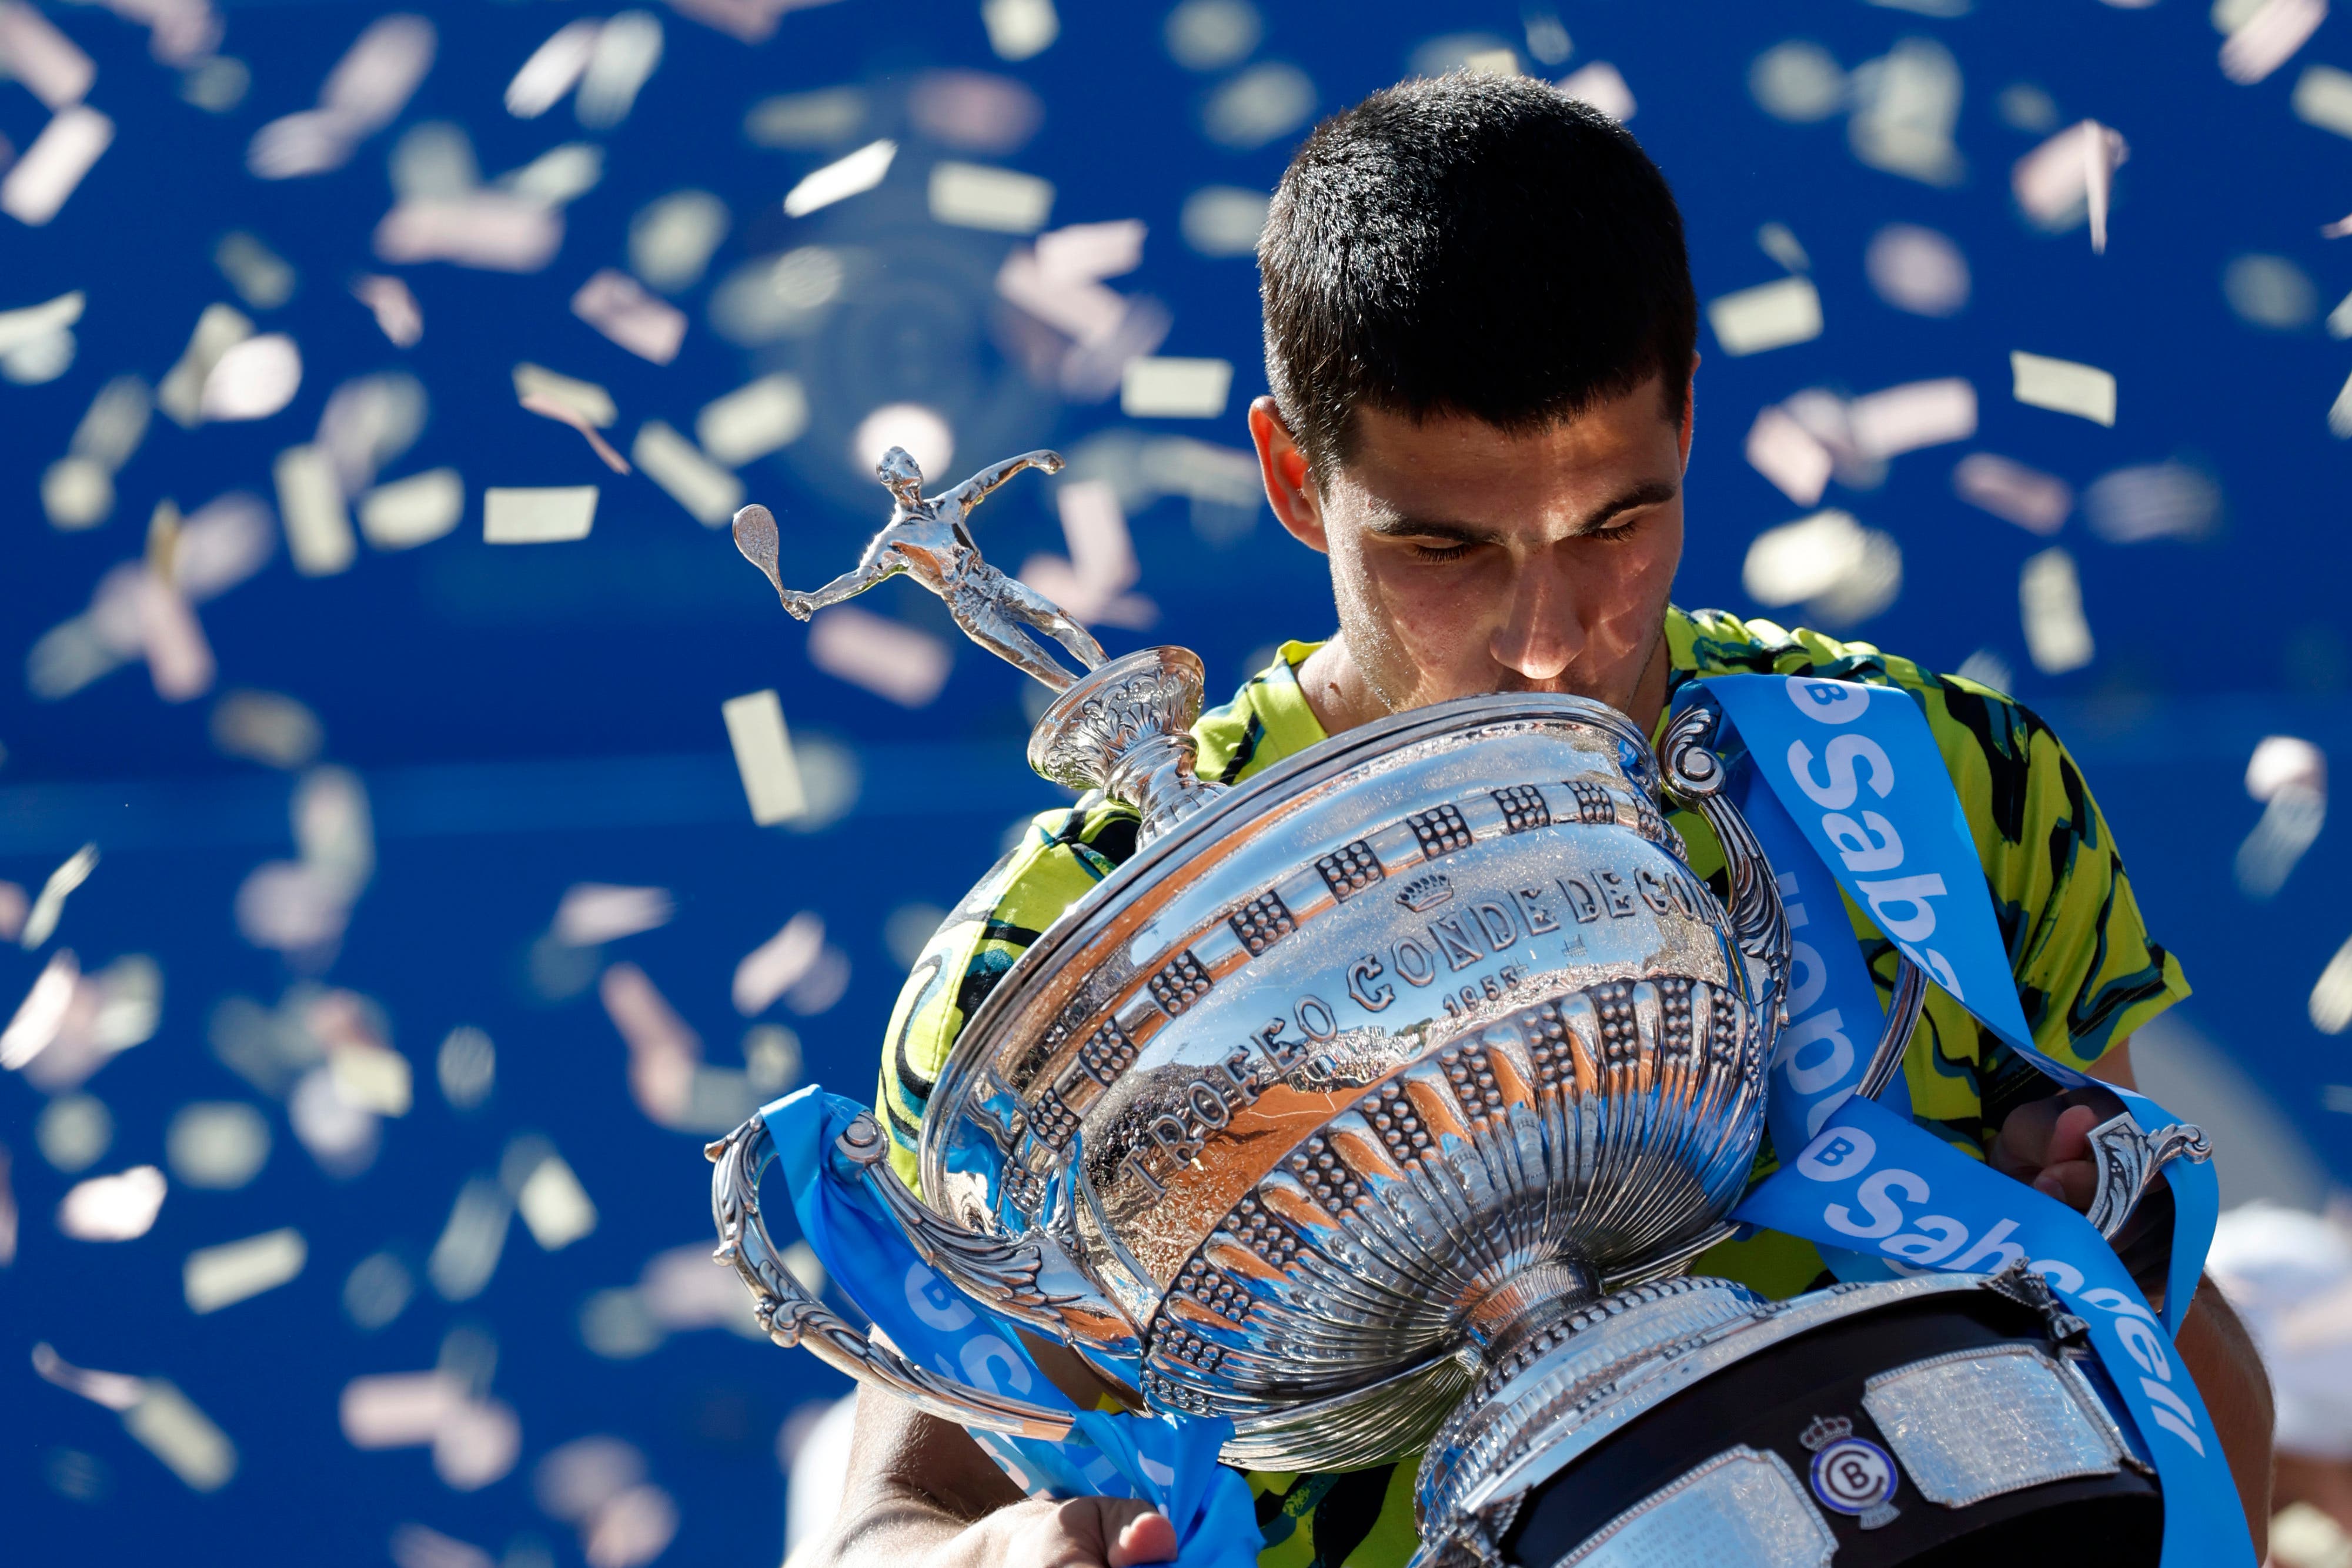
[[1498, 1077]]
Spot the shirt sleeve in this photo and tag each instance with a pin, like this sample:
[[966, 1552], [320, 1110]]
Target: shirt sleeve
[[2088, 973]]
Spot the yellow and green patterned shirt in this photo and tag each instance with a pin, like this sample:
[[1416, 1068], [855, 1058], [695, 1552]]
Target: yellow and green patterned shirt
[[2087, 972]]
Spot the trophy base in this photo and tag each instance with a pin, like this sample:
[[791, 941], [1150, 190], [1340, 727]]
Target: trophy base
[[1942, 1431]]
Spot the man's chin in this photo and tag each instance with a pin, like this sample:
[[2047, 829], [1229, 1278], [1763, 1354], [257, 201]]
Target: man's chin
[[1618, 700]]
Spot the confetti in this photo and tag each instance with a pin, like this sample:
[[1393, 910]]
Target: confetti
[[311, 504], [618, 305], [74, 1132], [377, 1291], [2035, 501], [2053, 183], [671, 239], [548, 515], [1798, 81], [1769, 316], [1174, 388], [709, 493], [233, 1271], [1789, 454], [487, 229], [663, 1051], [888, 658], [1019, 30], [975, 111], [413, 1545], [754, 420], [467, 1252], [552, 69], [1906, 104], [806, 119], [268, 727], [2270, 292], [1918, 270], [2339, 414], [925, 434], [42, 1014], [1223, 220], [779, 964], [219, 1144], [2063, 386], [77, 489], [553, 1204], [593, 913], [413, 511], [14, 906], [364, 93], [1906, 418], [169, 1425], [1600, 84], [180, 395], [1842, 572], [30, 337], [626, 50], [42, 922], [842, 178], [53, 166], [261, 278], [8, 1213], [113, 1208], [2156, 500], [1258, 104], [2289, 776], [2331, 995], [971, 195], [2050, 599], [763, 756], [2268, 37], [253, 379], [33, 51]]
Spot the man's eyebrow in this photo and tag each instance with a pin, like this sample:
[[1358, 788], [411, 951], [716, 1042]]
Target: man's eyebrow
[[1398, 527]]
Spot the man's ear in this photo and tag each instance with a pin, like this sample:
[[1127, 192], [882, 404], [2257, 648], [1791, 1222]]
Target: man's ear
[[1289, 486]]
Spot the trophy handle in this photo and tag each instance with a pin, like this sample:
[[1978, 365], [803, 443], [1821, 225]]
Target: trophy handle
[[1029, 1279], [1903, 1011], [794, 1317], [1695, 774], [2129, 1162]]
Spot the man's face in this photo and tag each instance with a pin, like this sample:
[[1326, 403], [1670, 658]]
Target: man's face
[[1467, 559]]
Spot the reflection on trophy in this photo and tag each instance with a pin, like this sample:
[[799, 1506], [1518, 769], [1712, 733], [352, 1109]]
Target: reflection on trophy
[[1381, 1103]]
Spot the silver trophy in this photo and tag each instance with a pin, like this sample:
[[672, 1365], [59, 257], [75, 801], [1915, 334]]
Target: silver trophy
[[1382, 1103]]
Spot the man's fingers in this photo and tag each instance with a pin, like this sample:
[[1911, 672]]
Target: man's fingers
[[2023, 1146], [1147, 1538], [2071, 1181], [2070, 1135]]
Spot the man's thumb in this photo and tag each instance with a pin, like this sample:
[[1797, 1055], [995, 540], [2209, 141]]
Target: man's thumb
[[1145, 1536]]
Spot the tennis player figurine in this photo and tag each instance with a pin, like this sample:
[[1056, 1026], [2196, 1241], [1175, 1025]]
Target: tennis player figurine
[[929, 540]]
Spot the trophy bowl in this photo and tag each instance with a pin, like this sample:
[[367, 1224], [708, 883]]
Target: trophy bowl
[[1363, 1072]]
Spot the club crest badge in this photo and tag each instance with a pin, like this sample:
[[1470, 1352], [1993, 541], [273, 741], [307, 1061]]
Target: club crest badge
[[1850, 1475]]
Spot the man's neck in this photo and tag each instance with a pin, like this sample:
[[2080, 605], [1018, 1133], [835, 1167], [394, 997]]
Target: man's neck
[[1342, 697]]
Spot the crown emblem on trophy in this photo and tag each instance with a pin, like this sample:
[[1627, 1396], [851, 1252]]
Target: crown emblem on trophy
[[1825, 1430], [1424, 894]]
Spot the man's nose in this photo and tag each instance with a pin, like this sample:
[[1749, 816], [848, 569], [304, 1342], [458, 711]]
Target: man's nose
[[1540, 634]]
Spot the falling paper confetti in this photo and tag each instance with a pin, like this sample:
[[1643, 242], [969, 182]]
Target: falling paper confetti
[[1769, 316], [2063, 385], [764, 755]]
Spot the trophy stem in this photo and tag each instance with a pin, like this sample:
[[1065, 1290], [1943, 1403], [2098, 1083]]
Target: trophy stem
[[1526, 1303], [1126, 729]]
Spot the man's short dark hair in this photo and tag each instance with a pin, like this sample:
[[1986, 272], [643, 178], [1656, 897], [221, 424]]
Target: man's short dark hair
[[1475, 244]]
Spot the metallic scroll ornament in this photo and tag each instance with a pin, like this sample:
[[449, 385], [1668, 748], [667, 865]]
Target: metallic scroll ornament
[[2129, 1161], [1124, 727]]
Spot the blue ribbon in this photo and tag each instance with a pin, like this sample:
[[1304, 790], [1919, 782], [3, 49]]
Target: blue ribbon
[[1854, 791], [1169, 1461]]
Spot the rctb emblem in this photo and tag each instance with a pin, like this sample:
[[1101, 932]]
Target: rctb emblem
[[1850, 1475]]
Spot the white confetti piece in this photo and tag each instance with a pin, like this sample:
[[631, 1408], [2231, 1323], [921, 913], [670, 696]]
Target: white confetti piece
[[1906, 418], [1174, 388], [1769, 316], [2035, 501], [413, 511], [2339, 413], [2054, 183], [664, 1053], [42, 1014], [838, 181], [923, 432], [365, 92], [618, 305], [1223, 220], [1258, 104], [416, 1546], [888, 657], [515, 515], [2269, 37], [2289, 776], [1789, 454], [1918, 270], [709, 493], [586, 399], [554, 1205], [221, 1276], [552, 69], [311, 505], [53, 166], [181, 393], [974, 196], [671, 238], [593, 913], [169, 1425], [113, 1208], [1840, 570], [47, 62], [763, 756], [628, 49], [753, 420], [779, 964], [2050, 597], [42, 922], [467, 1066], [467, 1255], [2153, 501], [2331, 995], [1018, 30], [398, 1410], [2063, 386], [1600, 84], [491, 230], [1906, 104], [253, 379], [219, 1145]]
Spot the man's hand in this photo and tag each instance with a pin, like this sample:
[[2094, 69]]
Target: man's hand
[[2046, 1144], [1084, 1532]]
